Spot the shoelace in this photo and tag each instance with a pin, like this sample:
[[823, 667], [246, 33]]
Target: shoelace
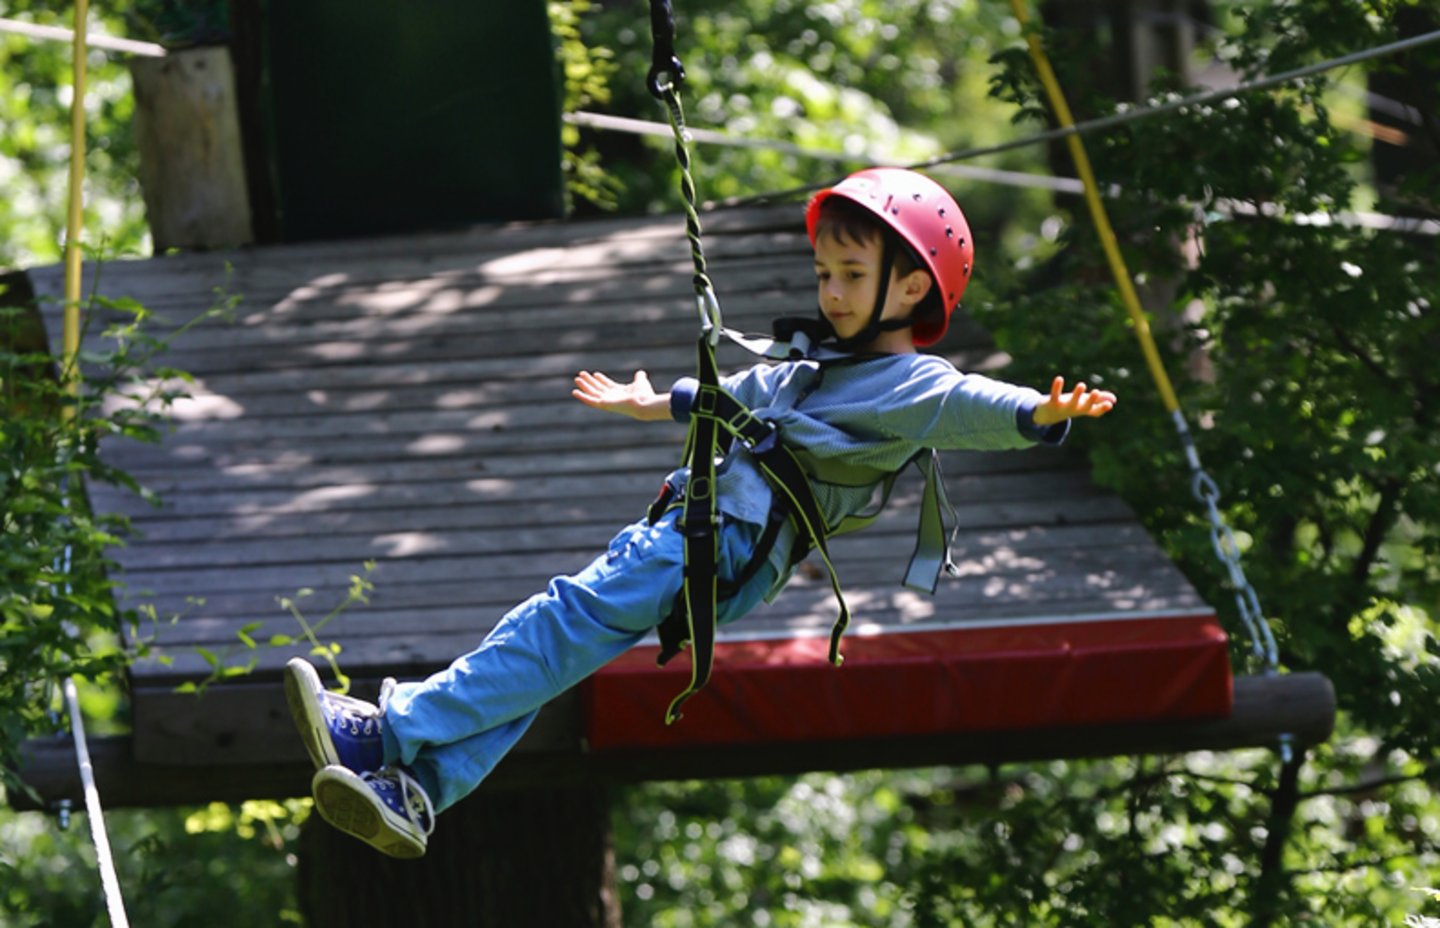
[[360, 721], [410, 791], [360, 717]]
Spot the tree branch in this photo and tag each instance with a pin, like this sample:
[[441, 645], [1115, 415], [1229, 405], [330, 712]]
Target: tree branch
[[1372, 785], [1378, 527]]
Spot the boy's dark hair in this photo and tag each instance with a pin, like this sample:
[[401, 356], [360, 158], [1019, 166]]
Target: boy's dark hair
[[847, 221]]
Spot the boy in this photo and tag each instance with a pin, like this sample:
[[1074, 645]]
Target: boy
[[892, 257]]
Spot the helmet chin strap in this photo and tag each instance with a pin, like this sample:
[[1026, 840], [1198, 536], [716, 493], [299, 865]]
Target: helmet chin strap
[[875, 324]]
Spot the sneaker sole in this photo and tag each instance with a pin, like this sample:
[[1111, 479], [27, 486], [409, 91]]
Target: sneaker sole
[[355, 814], [302, 693]]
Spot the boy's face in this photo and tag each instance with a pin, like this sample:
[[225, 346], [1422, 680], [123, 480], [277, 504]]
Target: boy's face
[[847, 275]]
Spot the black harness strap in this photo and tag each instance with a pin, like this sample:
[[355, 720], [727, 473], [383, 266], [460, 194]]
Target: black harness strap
[[699, 523], [674, 629], [714, 410]]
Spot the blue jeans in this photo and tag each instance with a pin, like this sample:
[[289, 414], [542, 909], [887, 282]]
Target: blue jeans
[[452, 729]]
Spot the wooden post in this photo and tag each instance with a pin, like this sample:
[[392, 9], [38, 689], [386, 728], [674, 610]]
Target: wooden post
[[502, 857], [192, 164]]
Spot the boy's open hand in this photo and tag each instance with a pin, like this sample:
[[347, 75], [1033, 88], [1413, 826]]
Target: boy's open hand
[[1078, 402], [636, 399]]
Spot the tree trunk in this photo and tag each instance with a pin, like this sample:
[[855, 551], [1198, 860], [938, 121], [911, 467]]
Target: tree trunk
[[1274, 880], [513, 858]]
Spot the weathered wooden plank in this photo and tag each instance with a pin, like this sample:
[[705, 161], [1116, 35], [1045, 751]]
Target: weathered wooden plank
[[187, 490], [454, 628], [1011, 589], [524, 539], [296, 306], [248, 723], [506, 577], [503, 579], [674, 333], [749, 302], [412, 642], [212, 401], [608, 499], [547, 430], [255, 271]]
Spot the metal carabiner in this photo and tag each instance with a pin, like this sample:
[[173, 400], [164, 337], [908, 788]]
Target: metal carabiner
[[665, 75], [666, 71], [709, 307]]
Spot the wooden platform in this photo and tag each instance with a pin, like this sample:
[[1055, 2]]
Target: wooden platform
[[407, 401]]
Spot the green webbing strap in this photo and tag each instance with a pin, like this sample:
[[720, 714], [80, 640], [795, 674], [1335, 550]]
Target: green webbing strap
[[932, 547], [791, 480], [698, 522], [786, 476], [714, 410]]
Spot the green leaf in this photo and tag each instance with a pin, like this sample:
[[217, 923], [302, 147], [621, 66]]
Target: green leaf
[[244, 634]]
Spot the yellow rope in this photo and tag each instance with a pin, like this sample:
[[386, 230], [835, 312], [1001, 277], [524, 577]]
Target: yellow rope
[[1247, 604], [109, 881], [1097, 212], [74, 217]]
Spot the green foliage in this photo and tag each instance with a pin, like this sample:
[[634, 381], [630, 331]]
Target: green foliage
[[1304, 363], [585, 72], [250, 639], [902, 79], [776, 851], [58, 612], [218, 864], [35, 80]]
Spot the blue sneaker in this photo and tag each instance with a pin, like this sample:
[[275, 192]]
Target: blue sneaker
[[336, 729], [387, 809]]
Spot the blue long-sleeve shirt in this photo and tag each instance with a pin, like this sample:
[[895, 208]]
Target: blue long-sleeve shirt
[[877, 412]]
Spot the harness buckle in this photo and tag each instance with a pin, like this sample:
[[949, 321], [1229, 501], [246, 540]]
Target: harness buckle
[[767, 444]]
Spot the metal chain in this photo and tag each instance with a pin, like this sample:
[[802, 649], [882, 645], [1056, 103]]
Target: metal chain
[[1227, 549]]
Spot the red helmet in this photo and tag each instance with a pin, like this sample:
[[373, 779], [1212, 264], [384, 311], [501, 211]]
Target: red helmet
[[925, 216]]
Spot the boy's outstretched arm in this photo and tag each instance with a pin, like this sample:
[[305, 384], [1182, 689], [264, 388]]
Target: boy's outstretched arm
[[636, 399], [1073, 405]]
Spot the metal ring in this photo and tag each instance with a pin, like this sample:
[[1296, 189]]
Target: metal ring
[[665, 76]]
